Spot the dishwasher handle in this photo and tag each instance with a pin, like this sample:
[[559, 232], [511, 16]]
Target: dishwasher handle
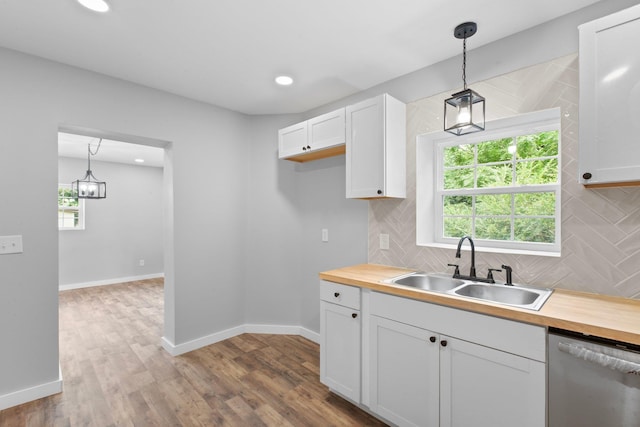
[[614, 362]]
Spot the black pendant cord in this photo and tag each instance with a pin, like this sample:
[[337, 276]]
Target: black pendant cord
[[97, 148], [464, 62], [91, 153], [89, 158]]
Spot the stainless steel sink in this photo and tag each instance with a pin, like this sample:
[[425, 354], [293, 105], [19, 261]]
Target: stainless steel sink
[[511, 295], [516, 296], [429, 282]]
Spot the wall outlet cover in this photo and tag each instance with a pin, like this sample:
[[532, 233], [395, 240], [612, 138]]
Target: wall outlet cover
[[10, 245], [384, 241]]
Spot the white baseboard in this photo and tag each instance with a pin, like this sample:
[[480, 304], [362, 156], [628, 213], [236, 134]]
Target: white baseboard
[[109, 281], [32, 393], [176, 350], [283, 330]]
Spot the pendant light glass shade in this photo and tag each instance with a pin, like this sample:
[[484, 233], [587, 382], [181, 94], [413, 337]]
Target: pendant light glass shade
[[464, 112], [89, 187]]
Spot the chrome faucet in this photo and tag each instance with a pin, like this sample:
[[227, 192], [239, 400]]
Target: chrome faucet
[[472, 271]]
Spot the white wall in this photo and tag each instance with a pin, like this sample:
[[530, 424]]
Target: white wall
[[119, 230], [290, 203], [208, 151], [321, 193]]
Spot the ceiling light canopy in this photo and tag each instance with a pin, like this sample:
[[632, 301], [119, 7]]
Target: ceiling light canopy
[[284, 80], [464, 111], [95, 5]]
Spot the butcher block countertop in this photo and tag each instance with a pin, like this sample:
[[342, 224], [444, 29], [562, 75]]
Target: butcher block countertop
[[599, 315]]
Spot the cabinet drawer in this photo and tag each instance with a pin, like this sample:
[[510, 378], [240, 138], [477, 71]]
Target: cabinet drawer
[[348, 296]]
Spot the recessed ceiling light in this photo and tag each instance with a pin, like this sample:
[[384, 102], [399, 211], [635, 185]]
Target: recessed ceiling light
[[139, 160], [284, 80], [95, 5]]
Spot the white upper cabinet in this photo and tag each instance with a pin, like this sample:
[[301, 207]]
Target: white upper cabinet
[[292, 140], [376, 148], [327, 130], [317, 138], [609, 100]]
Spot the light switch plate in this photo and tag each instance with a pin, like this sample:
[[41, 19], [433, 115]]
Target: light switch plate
[[10, 245], [325, 235], [384, 241]]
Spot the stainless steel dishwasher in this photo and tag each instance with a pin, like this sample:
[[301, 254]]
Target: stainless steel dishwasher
[[593, 382]]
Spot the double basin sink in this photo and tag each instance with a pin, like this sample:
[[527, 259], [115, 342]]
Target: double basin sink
[[511, 295]]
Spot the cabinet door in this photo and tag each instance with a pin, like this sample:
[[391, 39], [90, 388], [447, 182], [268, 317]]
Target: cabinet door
[[327, 130], [340, 366], [365, 149], [404, 373], [483, 387], [292, 140], [609, 93]]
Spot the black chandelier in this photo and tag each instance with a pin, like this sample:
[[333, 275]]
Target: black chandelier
[[464, 111], [89, 187]]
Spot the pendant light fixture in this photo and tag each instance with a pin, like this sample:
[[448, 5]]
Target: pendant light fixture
[[464, 111], [89, 187]]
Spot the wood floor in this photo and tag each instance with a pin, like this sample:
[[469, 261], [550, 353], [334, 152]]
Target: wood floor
[[116, 374]]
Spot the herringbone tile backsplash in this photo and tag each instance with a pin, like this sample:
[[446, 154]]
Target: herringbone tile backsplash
[[600, 227]]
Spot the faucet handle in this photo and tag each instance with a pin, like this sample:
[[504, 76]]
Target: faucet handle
[[490, 274], [456, 272]]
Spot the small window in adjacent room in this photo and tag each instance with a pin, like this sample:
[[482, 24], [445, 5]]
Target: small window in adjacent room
[[70, 209], [501, 186]]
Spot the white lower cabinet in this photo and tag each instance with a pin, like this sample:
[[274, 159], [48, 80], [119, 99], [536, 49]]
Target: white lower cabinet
[[340, 337], [432, 366], [404, 373], [481, 386], [414, 363]]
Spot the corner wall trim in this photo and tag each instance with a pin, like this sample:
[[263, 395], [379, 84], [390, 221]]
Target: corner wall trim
[[178, 349], [109, 281], [32, 393]]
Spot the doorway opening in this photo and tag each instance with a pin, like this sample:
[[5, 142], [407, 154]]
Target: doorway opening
[[119, 238]]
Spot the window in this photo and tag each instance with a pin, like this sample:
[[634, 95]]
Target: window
[[70, 209], [501, 186]]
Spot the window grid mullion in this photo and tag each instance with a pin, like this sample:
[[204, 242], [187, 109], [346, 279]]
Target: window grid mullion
[[513, 216]]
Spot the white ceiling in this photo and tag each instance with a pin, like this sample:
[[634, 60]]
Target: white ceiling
[[71, 145], [227, 52]]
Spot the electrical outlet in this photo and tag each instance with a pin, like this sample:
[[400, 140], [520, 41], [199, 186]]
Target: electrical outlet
[[141, 263], [384, 241], [10, 245]]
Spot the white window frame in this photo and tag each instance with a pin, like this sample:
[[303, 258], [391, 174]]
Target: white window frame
[[429, 192], [80, 209]]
